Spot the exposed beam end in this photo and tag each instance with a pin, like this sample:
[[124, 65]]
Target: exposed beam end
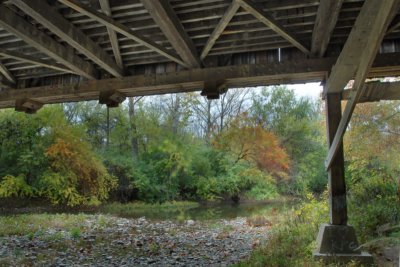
[[111, 98], [28, 106]]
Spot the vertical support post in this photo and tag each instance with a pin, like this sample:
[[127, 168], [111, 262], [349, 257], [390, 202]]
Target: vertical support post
[[337, 241], [336, 178]]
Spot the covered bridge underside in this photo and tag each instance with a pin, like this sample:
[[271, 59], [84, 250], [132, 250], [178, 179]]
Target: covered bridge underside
[[54, 51]]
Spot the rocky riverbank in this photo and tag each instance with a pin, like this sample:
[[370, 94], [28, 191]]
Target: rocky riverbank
[[112, 241]]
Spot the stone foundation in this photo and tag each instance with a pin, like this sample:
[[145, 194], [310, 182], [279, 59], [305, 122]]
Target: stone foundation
[[338, 244]]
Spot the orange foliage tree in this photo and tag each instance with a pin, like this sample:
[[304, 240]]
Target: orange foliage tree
[[245, 140]]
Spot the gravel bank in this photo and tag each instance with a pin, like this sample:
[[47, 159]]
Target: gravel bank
[[112, 241]]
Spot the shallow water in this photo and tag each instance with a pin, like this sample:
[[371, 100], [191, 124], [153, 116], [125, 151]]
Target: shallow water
[[212, 212]]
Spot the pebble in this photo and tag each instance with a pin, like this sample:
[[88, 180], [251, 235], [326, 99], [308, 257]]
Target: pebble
[[162, 243]]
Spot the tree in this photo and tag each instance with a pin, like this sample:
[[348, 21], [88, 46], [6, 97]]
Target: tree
[[298, 124], [245, 140]]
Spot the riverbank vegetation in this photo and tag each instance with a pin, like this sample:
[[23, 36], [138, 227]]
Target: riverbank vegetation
[[249, 145], [177, 147]]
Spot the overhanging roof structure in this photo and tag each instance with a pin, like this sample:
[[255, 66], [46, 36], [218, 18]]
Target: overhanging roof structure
[[71, 50]]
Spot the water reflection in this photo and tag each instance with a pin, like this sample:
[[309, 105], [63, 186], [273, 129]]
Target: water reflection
[[217, 211]]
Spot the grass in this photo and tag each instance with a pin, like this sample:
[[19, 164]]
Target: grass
[[33, 224], [292, 239]]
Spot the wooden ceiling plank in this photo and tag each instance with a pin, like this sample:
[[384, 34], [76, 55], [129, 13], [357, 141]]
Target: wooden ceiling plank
[[325, 22], [219, 29], [49, 17], [105, 7], [33, 60], [367, 35], [170, 25], [7, 74], [15, 24], [122, 29], [266, 18]]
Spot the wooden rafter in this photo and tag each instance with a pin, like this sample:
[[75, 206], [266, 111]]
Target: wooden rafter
[[105, 7], [122, 29], [394, 25], [257, 11], [356, 47], [33, 60], [219, 29], [165, 17], [367, 34], [7, 74], [327, 16], [15, 24], [56, 23]]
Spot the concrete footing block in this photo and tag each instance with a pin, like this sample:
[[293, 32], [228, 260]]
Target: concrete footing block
[[338, 244]]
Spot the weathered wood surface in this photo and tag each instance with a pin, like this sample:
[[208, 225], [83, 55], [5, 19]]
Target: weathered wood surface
[[223, 33], [376, 91], [362, 43], [105, 7], [169, 23], [219, 29], [56, 23], [371, 26], [33, 60], [336, 179], [122, 29], [7, 74], [266, 18], [296, 71], [12, 22], [325, 22]]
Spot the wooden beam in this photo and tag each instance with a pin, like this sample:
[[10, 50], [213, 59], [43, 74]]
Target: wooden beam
[[287, 72], [175, 82], [105, 7], [33, 60], [327, 16], [7, 74], [370, 26], [169, 23], [336, 179], [219, 29], [122, 29], [266, 18], [49, 17], [15, 24], [376, 91], [359, 44]]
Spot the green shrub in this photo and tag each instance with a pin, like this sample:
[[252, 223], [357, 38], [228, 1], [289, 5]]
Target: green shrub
[[263, 190], [373, 201], [60, 188], [12, 186]]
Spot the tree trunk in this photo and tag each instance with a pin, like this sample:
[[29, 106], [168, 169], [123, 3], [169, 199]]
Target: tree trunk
[[133, 129]]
